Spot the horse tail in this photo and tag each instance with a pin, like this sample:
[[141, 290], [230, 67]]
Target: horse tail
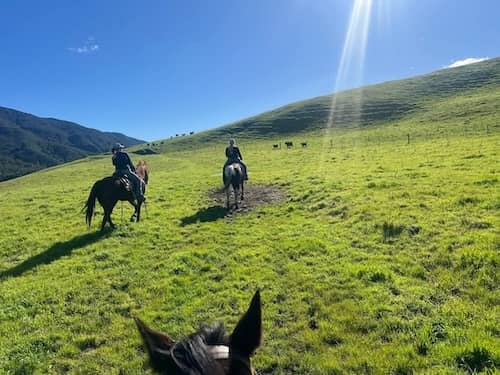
[[91, 204], [237, 176], [228, 172]]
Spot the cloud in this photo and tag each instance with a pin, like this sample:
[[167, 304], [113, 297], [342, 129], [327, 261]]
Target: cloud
[[467, 61], [90, 46]]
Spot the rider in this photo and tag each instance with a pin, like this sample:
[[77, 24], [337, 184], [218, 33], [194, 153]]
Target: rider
[[233, 155], [124, 167]]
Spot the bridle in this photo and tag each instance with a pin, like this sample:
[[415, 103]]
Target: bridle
[[217, 352]]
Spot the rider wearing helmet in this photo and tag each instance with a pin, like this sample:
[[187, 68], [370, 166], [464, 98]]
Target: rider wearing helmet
[[233, 155], [124, 167]]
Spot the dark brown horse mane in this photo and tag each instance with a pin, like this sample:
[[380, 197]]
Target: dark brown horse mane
[[192, 355], [208, 351]]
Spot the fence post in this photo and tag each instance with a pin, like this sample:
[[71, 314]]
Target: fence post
[[408, 138]]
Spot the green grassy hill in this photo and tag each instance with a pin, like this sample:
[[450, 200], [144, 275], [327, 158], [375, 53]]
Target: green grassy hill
[[368, 106], [29, 143], [380, 257]]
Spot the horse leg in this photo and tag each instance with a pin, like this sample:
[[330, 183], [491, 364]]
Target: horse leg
[[107, 218], [242, 190], [138, 211], [227, 197], [134, 215], [107, 213], [104, 219], [112, 225], [236, 193]]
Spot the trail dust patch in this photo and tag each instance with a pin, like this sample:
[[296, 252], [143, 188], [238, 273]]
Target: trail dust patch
[[255, 195]]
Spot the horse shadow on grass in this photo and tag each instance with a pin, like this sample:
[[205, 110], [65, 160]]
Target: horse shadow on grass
[[212, 213], [53, 253]]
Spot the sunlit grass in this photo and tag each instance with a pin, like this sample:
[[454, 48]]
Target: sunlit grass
[[383, 259]]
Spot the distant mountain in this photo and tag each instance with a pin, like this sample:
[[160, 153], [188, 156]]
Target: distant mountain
[[29, 143], [366, 106]]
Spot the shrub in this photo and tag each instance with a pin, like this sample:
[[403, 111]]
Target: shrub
[[476, 360], [391, 230]]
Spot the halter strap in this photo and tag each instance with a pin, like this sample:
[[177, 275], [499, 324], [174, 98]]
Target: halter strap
[[224, 352], [217, 352]]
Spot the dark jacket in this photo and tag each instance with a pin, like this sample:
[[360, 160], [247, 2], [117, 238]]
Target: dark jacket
[[234, 154], [121, 161]]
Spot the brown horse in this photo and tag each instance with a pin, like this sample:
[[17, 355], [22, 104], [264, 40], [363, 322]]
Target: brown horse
[[141, 170], [233, 176], [208, 351], [108, 192]]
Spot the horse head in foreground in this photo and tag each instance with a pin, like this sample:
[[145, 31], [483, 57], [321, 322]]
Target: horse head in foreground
[[108, 192], [208, 351], [234, 176]]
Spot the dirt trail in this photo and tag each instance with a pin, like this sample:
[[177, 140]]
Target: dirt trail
[[255, 195]]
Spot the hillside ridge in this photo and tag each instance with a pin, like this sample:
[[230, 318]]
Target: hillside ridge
[[29, 143], [359, 107]]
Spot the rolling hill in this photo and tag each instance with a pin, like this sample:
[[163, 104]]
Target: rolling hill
[[392, 102], [29, 143], [373, 255]]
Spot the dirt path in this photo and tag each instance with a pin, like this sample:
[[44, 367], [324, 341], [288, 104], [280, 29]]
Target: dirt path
[[255, 195]]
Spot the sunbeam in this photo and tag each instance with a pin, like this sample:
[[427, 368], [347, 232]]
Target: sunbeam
[[350, 68]]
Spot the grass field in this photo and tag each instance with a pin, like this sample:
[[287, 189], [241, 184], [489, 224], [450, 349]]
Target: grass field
[[381, 257]]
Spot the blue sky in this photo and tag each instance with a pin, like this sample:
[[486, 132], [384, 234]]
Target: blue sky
[[154, 68]]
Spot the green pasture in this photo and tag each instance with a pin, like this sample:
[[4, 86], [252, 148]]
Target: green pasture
[[381, 258]]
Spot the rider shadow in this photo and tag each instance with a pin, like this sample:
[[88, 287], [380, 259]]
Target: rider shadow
[[212, 213], [56, 251]]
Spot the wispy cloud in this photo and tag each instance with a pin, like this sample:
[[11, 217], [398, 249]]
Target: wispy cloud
[[90, 46], [467, 61]]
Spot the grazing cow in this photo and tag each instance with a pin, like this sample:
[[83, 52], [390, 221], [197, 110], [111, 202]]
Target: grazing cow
[[304, 144], [289, 144], [276, 147]]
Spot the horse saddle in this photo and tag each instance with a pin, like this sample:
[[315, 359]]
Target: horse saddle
[[125, 182]]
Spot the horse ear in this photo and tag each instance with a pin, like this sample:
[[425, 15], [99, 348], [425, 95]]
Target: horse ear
[[154, 340], [247, 335]]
